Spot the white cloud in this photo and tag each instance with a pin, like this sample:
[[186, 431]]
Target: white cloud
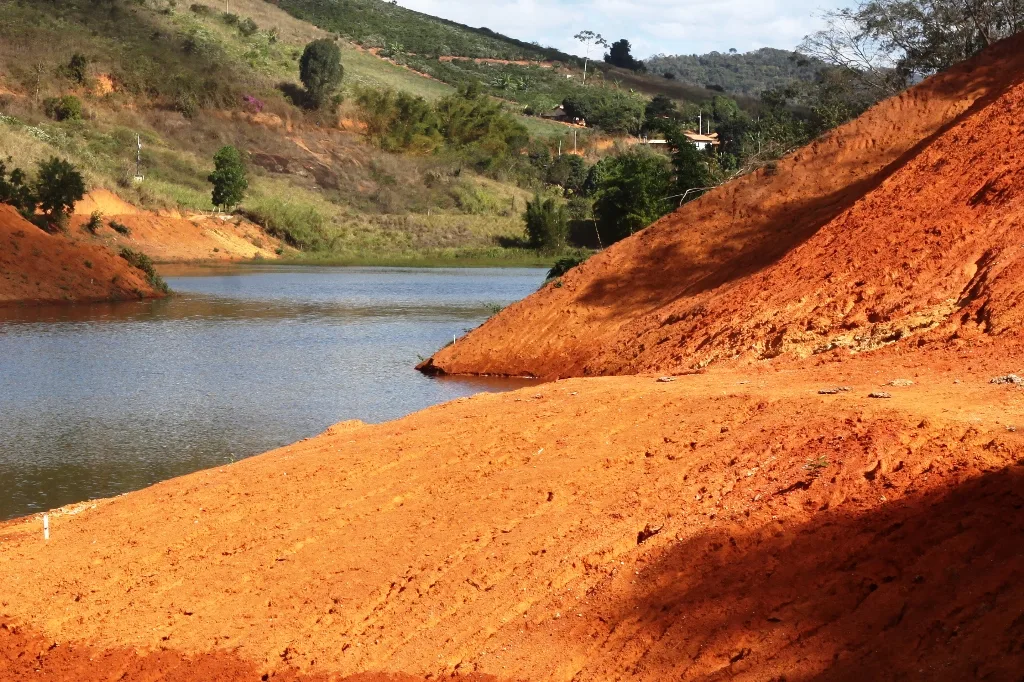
[[652, 26]]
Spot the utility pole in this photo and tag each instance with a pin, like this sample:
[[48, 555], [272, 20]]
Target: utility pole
[[574, 150], [138, 158]]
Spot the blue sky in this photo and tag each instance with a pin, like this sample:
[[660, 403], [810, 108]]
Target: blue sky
[[652, 26]]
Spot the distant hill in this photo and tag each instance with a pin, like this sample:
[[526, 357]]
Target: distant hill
[[746, 73], [379, 24]]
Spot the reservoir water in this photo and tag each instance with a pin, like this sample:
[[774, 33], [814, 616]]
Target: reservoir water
[[97, 400]]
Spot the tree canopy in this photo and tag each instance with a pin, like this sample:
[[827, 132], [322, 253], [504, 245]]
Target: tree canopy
[[888, 44], [632, 193], [59, 186], [321, 71], [228, 178], [747, 73], [620, 54]]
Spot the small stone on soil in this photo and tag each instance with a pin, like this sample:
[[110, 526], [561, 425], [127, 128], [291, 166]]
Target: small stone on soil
[[901, 382], [1008, 379], [834, 391], [879, 394], [665, 380]]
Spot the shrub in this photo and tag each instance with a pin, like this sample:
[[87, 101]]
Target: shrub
[[77, 68], [187, 104], [564, 265], [247, 27], [66, 108], [229, 18], [95, 222], [547, 224], [120, 228], [228, 178], [399, 121], [252, 104], [141, 261], [16, 191], [201, 10], [320, 70], [59, 187]]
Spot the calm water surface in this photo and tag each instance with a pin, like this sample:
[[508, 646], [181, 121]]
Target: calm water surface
[[96, 400]]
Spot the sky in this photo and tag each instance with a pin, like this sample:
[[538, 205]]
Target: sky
[[651, 26]]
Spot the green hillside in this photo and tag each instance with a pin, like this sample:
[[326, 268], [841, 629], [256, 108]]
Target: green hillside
[[178, 75], [378, 24], [745, 73], [457, 54]]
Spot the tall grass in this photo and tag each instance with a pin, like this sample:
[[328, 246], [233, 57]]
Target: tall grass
[[299, 224]]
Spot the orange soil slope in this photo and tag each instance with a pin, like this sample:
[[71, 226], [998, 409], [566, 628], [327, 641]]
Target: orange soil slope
[[172, 238], [36, 267], [909, 219], [800, 537]]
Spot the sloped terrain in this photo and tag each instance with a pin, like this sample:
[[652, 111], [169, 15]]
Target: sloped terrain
[[832, 491], [730, 525], [36, 267], [902, 226]]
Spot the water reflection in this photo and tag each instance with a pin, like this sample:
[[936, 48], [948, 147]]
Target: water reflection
[[99, 399]]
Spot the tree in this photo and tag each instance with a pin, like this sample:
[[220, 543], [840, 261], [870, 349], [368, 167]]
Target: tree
[[661, 115], [228, 178], [692, 170], [890, 43], [65, 108], [569, 172], [620, 54], [59, 186], [321, 71], [590, 39], [632, 194], [610, 110], [547, 224]]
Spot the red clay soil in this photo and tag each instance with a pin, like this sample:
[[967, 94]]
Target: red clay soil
[[903, 225], [36, 267], [170, 237], [735, 524], [805, 513]]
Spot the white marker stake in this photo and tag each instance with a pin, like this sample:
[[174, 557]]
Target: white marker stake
[[46, 526]]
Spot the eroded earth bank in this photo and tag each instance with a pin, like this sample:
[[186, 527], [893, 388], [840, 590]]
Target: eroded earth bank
[[796, 467]]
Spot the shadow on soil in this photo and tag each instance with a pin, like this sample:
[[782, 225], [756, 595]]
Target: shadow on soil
[[926, 588]]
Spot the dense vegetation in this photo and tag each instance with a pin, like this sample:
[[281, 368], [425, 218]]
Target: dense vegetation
[[748, 73]]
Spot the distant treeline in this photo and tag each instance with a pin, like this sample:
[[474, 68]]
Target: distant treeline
[[749, 73]]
